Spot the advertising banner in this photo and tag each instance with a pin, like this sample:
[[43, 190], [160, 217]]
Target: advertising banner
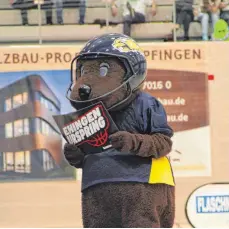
[[208, 206], [33, 84]]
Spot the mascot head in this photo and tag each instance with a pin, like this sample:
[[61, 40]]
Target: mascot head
[[110, 68]]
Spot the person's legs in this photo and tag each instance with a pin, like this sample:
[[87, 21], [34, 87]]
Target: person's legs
[[127, 20], [24, 12], [138, 18], [48, 13], [187, 21], [204, 19], [58, 4], [214, 19], [225, 16], [82, 11], [181, 17], [176, 26], [24, 16]]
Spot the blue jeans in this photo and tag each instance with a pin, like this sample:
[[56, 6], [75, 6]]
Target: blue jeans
[[82, 11], [58, 5], [204, 19]]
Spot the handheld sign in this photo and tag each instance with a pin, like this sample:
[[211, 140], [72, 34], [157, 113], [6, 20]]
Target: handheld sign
[[88, 128]]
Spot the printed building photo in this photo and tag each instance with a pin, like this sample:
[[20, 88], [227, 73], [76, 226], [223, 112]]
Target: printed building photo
[[30, 142]]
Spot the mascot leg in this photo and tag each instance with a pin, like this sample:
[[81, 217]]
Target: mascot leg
[[128, 205], [100, 206], [147, 206], [167, 218]]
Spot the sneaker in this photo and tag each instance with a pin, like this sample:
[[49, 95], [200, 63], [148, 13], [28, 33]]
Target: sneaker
[[186, 39], [25, 22], [205, 38]]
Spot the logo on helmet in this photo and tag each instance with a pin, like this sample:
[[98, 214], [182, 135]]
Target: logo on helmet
[[126, 45]]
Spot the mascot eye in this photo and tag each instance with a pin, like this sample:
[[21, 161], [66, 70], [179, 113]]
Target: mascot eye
[[81, 70], [103, 70]]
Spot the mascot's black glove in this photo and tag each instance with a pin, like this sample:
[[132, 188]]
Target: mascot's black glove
[[156, 145], [73, 155]]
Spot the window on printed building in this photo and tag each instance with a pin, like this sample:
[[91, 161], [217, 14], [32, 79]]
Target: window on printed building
[[20, 99], [16, 101], [1, 161], [8, 161], [25, 97], [42, 99], [46, 102], [9, 130], [37, 126], [47, 161], [26, 126], [8, 104], [27, 162], [18, 128], [18, 162], [22, 162], [44, 128]]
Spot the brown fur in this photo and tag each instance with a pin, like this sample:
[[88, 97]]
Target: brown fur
[[156, 145], [128, 205], [123, 204], [101, 85], [74, 155]]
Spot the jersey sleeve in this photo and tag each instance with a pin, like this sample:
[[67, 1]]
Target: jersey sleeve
[[154, 118]]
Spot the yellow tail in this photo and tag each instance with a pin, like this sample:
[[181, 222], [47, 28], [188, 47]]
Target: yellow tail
[[161, 172]]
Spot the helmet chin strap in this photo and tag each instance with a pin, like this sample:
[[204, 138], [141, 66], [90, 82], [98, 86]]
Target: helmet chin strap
[[99, 97], [132, 95], [122, 102], [83, 104], [112, 108]]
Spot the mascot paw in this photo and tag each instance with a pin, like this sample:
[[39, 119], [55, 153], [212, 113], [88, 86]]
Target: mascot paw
[[73, 155], [122, 141]]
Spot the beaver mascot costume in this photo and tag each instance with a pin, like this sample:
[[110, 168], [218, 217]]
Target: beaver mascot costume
[[130, 184]]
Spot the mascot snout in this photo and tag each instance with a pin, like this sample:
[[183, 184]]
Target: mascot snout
[[84, 92]]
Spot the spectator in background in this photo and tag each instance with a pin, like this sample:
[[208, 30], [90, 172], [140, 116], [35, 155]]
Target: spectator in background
[[47, 6], [81, 4], [24, 5], [82, 11], [204, 9], [224, 6], [133, 11], [58, 5], [23, 9], [184, 16]]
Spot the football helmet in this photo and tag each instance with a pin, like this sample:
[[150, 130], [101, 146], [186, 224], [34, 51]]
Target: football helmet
[[112, 45]]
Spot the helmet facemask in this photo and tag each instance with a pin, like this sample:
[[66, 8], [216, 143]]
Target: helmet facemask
[[100, 77]]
